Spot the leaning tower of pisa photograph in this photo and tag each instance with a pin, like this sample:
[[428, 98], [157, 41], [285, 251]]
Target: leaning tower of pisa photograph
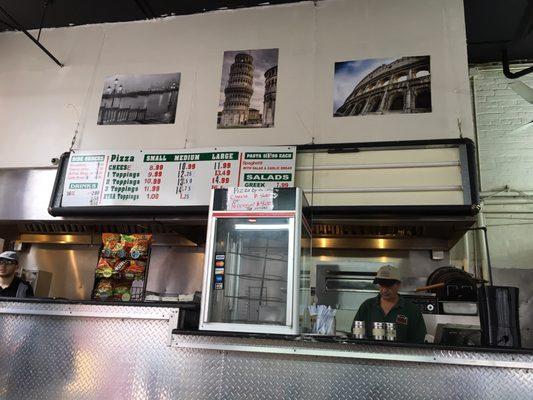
[[248, 89]]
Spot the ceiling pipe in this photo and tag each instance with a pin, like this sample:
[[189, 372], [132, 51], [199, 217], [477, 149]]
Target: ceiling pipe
[[7, 24], [46, 2], [506, 69], [21, 29], [145, 8]]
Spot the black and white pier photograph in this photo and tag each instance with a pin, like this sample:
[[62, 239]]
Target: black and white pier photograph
[[139, 99]]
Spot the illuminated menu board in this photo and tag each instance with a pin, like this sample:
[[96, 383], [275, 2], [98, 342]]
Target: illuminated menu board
[[172, 177]]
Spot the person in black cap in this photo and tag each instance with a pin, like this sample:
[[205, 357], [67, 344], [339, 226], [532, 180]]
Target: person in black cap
[[389, 306], [11, 285]]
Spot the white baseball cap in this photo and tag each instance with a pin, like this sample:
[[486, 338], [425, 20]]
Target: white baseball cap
[[10, 256], [387, 273]]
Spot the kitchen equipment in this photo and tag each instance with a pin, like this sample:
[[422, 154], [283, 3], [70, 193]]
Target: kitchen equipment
[[430, 287], [459, 307], [427, 303], [458, 334], [390, 331], [499, 317], [256, 275], [358, 329], [40, 281], [458, 284], [378, 330]]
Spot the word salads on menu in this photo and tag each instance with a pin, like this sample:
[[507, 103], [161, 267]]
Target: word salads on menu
[[172, 177]]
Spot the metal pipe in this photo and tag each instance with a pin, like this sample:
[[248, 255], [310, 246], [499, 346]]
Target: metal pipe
[[7, 24], [509, 212], [466, 252], [145, 8], [42, 19], [504, 203], [507, 71], [504, 193], [529, 218], [392, 189], [379, 166], [20, 28], [486, 265], [510, 224], [476, 133]]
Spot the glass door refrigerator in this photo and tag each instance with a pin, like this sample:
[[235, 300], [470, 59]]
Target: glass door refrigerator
[[256, 273]]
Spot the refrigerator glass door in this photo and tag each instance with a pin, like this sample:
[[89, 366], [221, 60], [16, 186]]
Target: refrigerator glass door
[[249, 286]]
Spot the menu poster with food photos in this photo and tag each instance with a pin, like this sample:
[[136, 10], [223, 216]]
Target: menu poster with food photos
[[182, 177]]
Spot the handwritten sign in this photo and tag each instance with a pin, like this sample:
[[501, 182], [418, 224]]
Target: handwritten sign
[[249, 199]]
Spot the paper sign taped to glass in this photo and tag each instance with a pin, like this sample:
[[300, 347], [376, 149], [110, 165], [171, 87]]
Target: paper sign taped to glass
[[250, 199]]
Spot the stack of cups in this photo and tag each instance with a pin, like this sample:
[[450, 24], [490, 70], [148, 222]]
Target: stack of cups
[[358, 329]]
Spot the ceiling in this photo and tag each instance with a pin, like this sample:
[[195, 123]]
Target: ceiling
[[490, 24]]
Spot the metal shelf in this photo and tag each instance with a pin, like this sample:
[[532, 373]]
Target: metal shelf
[[257, 256], [258, 277], [264, 300]]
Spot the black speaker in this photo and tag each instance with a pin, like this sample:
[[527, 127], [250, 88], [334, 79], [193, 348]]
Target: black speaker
[[498, 315]]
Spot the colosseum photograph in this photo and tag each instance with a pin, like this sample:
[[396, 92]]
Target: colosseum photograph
[[382, 86], [248, 89]]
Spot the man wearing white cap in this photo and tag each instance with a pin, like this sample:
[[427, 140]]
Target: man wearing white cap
[[11, 285], [389, 306]]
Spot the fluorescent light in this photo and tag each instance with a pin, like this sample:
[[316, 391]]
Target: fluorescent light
[[260, 227]]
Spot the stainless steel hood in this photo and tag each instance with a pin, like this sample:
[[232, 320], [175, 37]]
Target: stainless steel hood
[[26, 194], [393, 233], [24, 200]]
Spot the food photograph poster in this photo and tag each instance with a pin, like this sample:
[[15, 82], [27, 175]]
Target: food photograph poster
[[248, 89], [381, 86]]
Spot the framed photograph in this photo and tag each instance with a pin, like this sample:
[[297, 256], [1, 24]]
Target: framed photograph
[[248, 89], [139, 99], [381, 86]]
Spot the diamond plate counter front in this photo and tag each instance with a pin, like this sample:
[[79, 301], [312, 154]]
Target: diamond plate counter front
[[110, 356], [361, 372], [79, 351]]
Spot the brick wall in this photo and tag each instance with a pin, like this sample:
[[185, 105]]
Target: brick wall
[[505, 158]]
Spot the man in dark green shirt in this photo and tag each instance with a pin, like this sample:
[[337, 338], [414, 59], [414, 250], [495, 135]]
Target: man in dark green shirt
[[389, 306]]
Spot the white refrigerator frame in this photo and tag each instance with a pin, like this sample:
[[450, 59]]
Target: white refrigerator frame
[[292, 326]]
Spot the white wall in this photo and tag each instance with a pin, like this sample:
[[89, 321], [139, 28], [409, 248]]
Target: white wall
[[505, 158], [37, 121]]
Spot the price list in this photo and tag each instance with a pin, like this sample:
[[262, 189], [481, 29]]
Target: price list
[[187, 178], [267, 168], [82, 181], [152, 182], [122, 182], [162, 174], [172, 178]]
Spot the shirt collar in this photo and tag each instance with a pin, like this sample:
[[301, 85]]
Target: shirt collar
[[399, 304]]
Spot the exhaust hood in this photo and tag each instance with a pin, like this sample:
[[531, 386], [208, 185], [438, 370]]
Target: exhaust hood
[[401, 233]]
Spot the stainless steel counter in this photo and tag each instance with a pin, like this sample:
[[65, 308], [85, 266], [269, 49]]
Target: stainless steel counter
[[250, 368], [360, 350], [88, 351]]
